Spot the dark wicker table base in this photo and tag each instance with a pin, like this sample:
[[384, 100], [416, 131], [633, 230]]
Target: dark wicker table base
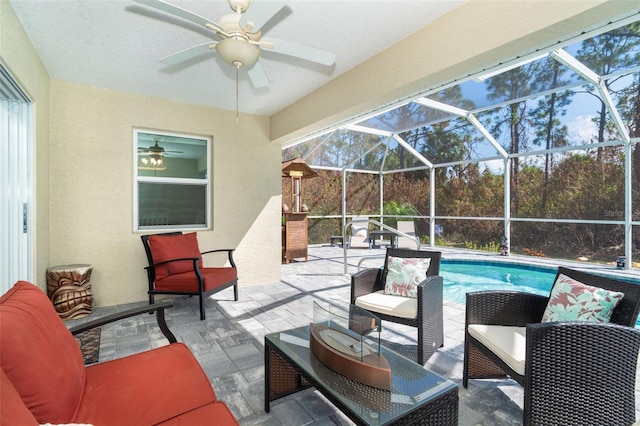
[[284, 377]]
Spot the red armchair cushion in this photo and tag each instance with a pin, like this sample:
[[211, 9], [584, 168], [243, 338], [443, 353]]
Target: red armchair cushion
[[39, 355], [213, 278], [145, 388], [168, 247]]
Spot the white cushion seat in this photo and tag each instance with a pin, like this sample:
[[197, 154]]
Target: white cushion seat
[[397, 306], [507, 342]]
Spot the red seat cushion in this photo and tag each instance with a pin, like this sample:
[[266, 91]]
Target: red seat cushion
[[39, 355], [146, 388], [213, 278], [168, 247]]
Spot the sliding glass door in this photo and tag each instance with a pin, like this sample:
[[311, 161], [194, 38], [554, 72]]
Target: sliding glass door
[[16, 181]]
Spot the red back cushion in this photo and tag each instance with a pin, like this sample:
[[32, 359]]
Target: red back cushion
[[167, 247], [13, 411], [39, 355]]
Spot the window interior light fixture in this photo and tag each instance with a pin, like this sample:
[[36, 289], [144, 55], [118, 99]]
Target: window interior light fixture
[[524, 61], [152, 162]]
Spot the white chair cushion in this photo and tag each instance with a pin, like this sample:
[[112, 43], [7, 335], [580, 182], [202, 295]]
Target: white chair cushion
[[507, 342], [360, 231], [397, 306]]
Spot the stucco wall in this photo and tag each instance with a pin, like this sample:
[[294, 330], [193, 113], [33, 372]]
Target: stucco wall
[[92, 179], [19, 57]]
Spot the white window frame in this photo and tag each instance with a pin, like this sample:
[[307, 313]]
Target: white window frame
[[137, 180]]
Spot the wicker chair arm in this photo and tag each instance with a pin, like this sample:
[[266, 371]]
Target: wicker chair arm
[[596, 361], [504, 308], [229, 254], [365, 282], [430, 289], [158, 308]]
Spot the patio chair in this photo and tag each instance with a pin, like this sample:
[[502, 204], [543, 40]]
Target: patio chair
[[407, 227], [176, 267], [359, 237], [573, 372], [373, 289]]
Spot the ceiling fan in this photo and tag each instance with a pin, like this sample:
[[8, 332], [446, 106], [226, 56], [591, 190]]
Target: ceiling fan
[[152, 158], [156, 149], [240, 40]]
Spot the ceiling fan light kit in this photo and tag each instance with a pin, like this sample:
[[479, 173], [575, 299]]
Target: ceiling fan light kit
[[237, 52], [154, 162], [152, 158]]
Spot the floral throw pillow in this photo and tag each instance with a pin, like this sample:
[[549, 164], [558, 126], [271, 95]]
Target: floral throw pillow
[[404, 274], [571, 300]]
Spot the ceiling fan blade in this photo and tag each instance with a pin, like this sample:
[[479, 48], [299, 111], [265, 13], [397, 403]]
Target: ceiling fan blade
[[189, 53], [258, 76], [298, 50], [184, 14], [259, 13]]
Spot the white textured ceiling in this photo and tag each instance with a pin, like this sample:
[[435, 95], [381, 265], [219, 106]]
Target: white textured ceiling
[[116, 45]]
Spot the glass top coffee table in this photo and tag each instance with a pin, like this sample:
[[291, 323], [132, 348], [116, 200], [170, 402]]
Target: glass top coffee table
[[416, 393]]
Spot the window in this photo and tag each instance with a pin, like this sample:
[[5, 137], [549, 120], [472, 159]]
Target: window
[[172, 181]]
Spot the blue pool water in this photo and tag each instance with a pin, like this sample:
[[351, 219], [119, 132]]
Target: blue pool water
[[462, 276]]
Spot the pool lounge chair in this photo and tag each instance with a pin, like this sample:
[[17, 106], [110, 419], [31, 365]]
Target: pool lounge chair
[[407, 227], [359, 232]]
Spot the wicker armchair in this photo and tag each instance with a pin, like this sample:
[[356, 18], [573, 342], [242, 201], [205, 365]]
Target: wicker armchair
[[574, 372], [428, 319]]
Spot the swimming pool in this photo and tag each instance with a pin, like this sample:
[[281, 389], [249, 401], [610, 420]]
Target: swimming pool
[[462, 276]]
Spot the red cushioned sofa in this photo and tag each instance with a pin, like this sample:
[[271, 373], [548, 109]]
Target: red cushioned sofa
[[44, 379]]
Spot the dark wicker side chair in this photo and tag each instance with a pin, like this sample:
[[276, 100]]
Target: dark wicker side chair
[[574, 372], [428, 319], [175, 267]]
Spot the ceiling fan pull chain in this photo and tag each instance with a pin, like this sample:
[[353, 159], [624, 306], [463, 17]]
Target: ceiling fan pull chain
[[237, 90]]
